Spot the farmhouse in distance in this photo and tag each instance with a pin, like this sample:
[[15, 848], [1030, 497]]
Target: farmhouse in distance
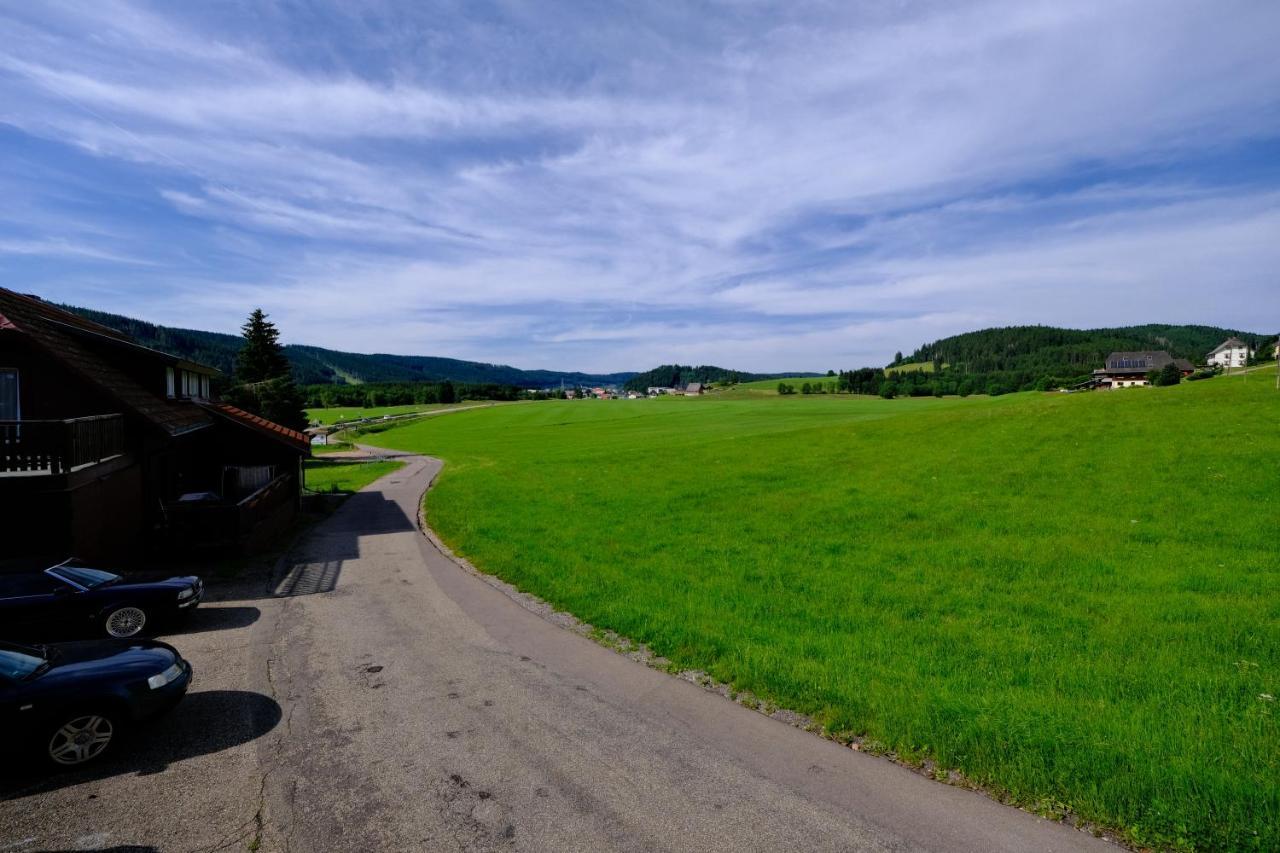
[[1232, 352], [1130, 369]]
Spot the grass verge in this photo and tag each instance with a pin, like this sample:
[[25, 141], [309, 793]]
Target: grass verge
[[325, 475]]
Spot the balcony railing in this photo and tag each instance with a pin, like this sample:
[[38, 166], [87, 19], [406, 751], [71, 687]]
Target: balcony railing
[[57, 447]]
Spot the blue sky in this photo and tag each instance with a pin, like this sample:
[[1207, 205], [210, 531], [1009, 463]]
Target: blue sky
[[610, 186]]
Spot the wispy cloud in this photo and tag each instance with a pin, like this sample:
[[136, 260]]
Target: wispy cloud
[[787, 185]]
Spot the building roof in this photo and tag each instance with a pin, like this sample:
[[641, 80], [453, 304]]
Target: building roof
[[69, 339], [1134, 363], [1230, 343], [291, 437], [693, 388]]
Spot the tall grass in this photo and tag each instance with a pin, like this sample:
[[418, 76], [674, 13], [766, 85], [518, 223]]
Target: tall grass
[[1074, 600]]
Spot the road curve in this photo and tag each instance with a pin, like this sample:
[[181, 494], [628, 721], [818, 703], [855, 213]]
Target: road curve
[[424, 709]]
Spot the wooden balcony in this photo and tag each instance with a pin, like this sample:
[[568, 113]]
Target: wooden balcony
[[35, 448]]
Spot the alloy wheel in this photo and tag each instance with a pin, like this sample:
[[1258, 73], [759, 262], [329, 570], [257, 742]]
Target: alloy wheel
[[81, 739], [126, 622]]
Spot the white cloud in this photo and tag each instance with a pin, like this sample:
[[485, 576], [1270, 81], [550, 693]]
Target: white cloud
[[780, 185]]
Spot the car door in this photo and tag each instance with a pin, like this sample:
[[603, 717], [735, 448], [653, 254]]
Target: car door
[[13, 720], [34, 607]]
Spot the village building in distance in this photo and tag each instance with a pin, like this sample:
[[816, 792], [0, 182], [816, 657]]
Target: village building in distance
[[1130, 369], [1232, 352]]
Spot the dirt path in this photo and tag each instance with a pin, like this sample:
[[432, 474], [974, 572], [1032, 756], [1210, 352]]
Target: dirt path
[[424, 709]]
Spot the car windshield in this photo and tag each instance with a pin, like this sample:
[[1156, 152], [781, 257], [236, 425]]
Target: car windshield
[[19, 662], [85, 577]]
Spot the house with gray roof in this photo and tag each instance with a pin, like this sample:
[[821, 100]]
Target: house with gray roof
[[1130, 369], [1232, 352]]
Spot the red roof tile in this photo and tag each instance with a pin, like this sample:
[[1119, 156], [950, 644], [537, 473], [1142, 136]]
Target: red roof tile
[[291, 437]]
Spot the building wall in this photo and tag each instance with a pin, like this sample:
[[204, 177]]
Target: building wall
[[108, 518], [46, 389], [96, 514], [1233, 357]]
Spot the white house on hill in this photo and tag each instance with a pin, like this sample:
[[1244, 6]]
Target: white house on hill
[[1232, 352]]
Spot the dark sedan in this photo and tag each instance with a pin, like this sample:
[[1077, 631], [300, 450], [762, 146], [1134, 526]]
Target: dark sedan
[[68, 703], [71, 597]]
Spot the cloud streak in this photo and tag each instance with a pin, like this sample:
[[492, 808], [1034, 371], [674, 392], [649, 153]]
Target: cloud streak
[[763, 186]]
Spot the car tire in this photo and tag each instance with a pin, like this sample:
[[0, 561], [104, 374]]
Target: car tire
[[81, 736], [124, 621]]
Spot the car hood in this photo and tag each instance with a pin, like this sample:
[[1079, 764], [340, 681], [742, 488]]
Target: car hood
[[167, 583], [76, 661]]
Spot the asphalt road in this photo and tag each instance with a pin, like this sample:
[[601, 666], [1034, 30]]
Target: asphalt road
[[379, 697]]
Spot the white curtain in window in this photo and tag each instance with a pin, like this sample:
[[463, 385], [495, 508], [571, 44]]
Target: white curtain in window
[[8, 394]]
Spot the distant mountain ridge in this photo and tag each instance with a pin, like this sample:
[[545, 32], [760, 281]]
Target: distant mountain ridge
[[317, 365]]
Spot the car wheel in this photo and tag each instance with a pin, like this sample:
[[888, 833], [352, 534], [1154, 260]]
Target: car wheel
[[81, 738], [125, 621]]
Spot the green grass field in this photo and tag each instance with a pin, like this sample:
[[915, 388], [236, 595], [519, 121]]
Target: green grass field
[[332, 447], [331, 475], [336, 414], [1072, 599], [912, 367], [769, 387]]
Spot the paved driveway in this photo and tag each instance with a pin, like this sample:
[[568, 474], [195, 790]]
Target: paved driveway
[[381, 698]]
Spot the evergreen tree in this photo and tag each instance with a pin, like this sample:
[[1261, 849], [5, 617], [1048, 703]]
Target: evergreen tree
[[261, 357], [447, 393], [264, 382]]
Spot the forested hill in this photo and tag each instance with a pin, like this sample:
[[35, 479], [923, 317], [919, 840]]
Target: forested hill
[[316, 365], [680, 375], [1049, 351]]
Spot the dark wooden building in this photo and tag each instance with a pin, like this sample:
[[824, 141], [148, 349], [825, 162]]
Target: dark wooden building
[[109, 449], [1130, 369]]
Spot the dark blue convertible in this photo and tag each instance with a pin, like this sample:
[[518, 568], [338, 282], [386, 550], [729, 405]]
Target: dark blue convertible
[[68, 703], [71, 598]]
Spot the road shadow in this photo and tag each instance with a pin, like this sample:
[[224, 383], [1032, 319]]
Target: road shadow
[[202, 723], [316, 563], [207, 618]]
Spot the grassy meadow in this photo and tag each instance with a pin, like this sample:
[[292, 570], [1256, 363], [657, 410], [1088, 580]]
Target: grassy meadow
[[770, 386], [912, 367], [337, 414], [332, 475], [1072, 599]]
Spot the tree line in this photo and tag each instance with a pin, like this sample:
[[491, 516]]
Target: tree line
[[376, 394]]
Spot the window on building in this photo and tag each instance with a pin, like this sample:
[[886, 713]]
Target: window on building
[[9, 409], [190, 384], [168, 382]]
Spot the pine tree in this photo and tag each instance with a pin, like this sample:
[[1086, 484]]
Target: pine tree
[[264, 380], [261, 358]]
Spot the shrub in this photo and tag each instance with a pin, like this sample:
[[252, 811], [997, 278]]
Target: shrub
[[1170, 374]]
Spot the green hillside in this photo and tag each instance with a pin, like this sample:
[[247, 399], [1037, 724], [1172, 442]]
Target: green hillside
[[316, 365], [1049, 351], [1070, 599]]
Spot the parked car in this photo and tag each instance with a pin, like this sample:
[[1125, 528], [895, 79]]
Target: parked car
[[68, 703], [71, 597]]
